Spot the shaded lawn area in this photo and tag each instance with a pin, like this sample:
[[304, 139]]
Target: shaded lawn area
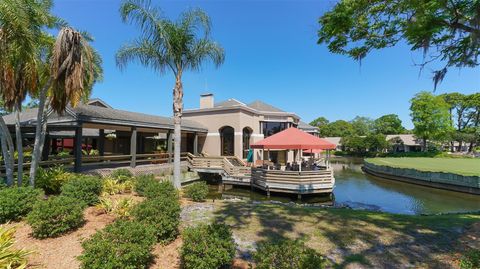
[[467, 167], [348, 237]]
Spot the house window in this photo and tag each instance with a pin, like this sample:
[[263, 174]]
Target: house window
[[227, 138], [247, 134], [271, 128]]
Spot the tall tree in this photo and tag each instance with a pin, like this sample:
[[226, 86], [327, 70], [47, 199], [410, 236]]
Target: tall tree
[[22, 24], [430, 117], [72, 68], [339, 128], [388, 125], [362, 125], [446, 31], [164, 45], [320, 121]]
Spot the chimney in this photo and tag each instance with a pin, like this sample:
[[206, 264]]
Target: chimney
[[206, 100]]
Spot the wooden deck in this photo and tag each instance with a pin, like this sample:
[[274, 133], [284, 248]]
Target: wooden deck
[[235, 172]]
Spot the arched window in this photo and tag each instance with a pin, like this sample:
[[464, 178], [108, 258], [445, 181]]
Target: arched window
[[227, 139], [246, 135]]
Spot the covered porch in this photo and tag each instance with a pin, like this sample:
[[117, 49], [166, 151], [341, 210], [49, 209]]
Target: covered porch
[[96, 135], [298, 174]]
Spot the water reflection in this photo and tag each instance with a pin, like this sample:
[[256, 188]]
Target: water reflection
[[358, 190]]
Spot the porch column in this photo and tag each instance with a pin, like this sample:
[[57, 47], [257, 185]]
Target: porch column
[[46, 147], [133, 147], [169, 146], [101, 142], [195, 144], [77, 149]]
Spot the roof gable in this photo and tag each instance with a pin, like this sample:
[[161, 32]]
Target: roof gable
[[262, 106]]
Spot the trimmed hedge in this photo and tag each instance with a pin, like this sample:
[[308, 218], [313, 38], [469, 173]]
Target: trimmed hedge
[[84, 188], [197, 191], [286, 254], [122, 244], [161, 189], [55, 216], [162, 213], [207, 246], [143, 182], [17, 202]]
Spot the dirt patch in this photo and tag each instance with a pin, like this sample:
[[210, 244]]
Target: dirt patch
[[60, 252], [167, 256]]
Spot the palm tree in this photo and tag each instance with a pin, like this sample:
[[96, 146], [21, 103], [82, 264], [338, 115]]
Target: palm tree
[[71, 69], [164, 45], [21, 35]]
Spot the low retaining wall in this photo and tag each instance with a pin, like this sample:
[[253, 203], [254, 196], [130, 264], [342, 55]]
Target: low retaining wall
[[447, 181]]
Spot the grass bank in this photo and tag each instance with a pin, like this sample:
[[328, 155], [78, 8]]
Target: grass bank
[[355, 238], [465, 167]]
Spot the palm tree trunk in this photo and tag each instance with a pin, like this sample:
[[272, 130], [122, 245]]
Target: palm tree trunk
[[18, 138], [177, 132], [8, 151], [40, 130]]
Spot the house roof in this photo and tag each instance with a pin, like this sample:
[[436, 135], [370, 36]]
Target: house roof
[[105, 115], [408, 139], [258, 107], [293, 138], [307, 127], [262, 106]]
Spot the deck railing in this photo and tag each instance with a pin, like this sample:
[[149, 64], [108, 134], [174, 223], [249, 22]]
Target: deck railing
[[68, 162], [293, 181], [232, 165]]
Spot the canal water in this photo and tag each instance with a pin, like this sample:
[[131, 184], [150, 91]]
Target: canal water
[[355, 189]]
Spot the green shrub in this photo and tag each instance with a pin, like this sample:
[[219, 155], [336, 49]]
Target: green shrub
[[113, 186], [471, 260], [55, 216], [142, 182], [207, 247], [121, 174], [51, 180], [286, 254], [161, 189], [17, 202], [197, 191], [11, 257], [163, 213], [84, 188], [122, 244], [148, 186]]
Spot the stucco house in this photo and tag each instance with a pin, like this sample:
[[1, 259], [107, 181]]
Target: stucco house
[[234, 125]]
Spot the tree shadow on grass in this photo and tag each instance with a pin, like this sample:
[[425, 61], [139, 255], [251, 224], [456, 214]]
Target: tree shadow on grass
[[370, 239], [392, 241]]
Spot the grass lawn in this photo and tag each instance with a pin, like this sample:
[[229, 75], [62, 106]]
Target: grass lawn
[[466, 167], [356, 239]]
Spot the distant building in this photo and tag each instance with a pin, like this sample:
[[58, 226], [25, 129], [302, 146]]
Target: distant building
[[400, 142]]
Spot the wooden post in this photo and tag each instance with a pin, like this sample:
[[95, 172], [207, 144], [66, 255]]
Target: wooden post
[[133, 147], [78, 149], [101, 142], [169, 146], [195, 144], [46, 147]]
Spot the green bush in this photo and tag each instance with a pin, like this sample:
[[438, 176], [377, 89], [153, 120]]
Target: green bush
[[197, 191], [207, 247], [55, 216], [121, 174], [163, 213], [84, 188], [51, 180], [122, 244], [286, 254], [148, 186], [471, 260], [142, 182], [17, 202]]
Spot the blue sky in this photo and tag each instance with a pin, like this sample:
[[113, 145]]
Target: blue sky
[[271, 55]]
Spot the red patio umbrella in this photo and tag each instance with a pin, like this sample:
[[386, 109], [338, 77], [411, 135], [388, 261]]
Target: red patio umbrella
[[293, 138]]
